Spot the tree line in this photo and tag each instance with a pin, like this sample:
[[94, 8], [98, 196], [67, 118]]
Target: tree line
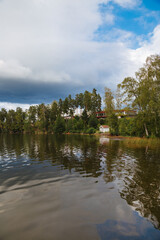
[[141, 94], [50, 118]]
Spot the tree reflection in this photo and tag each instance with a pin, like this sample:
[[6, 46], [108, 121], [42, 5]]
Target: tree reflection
[[70, 152], [133, 171], [136, 175], [142, 189]]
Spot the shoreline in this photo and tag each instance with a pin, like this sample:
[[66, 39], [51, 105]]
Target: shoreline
[[93, 134], [129, 141]]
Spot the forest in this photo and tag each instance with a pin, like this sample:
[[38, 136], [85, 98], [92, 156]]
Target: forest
[[141, 94]]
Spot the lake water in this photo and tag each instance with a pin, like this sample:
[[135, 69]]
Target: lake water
[[78, 187]]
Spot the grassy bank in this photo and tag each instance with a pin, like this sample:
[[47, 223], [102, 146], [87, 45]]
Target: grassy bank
[[140, 142]]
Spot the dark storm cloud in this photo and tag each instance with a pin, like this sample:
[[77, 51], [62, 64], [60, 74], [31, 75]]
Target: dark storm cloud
[[35, 92]]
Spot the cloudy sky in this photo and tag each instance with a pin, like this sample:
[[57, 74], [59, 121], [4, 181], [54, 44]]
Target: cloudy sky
[[51, 48]]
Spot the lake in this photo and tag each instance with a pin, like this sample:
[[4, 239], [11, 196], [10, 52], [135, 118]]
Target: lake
[[78, 187]]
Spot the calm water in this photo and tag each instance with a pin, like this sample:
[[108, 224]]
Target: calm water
[[78, 187]]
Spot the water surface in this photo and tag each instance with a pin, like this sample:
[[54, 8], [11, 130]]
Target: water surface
[[78, 187]]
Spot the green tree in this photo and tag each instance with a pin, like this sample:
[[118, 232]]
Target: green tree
[[71, 103], [11, 121], [113, 124], [109, 101], [42, 117], [69, 125], [54, 112], [3, 115], [66, 105], [19, 120], [60, 106], [118, 99], [30, 119], [142, 93], [123, 127], [95, 101], [32, 114], [93, 122], [79, 102], [85, 117], [59, 125], [87, 100], [79, 125]]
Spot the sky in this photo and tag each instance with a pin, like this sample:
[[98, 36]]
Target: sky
[[52, 48]]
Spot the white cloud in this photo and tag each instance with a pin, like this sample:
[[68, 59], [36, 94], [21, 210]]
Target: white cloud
[[128, 3], [41, 37], [147, 48], [52, 41], [109, 18], [51, 76], [13, 106], [13, 69], [120, 36]]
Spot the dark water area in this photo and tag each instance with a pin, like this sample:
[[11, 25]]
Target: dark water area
[[78, 187]]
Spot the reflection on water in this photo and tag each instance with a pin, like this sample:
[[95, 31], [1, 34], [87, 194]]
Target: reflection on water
[[120, 230], [80, 187]]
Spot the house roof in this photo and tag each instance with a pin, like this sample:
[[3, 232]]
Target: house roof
[[104, 126]]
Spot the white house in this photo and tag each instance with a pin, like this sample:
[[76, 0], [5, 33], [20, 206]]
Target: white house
[[104, 128], [104, 140]]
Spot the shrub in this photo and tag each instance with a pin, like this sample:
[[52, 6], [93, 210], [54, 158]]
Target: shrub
[[93, 122], [91, 130]]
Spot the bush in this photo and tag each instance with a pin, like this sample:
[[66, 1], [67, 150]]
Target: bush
[[79, 125], [91, 131], [93, 122], [113, 123], [102, 121], [123, 126]]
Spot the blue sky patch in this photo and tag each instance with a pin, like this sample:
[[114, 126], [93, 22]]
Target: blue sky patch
[[134, 23], [152, 4]]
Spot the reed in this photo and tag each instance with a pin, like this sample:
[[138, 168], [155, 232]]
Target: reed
[[140, 142]]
